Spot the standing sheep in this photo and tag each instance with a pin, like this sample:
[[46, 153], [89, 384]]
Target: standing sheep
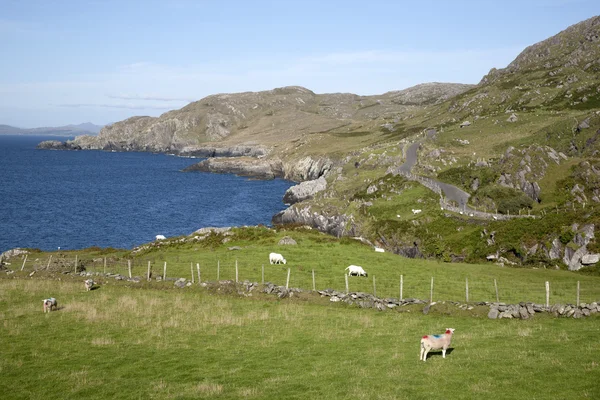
[[49, 304], [435, 342], [89, 284]]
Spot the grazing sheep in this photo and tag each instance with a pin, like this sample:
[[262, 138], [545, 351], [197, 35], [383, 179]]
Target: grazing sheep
[[89, 284], [160, 237], [356, 270], [49, 304], [379, 250], [435, 342], [276, 258], [416, 211]]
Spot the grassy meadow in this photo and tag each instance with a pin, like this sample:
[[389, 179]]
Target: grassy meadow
[[150, 340], [128, 343]]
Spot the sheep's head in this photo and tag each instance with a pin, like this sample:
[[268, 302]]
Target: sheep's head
[[284, 261], [450, 331]]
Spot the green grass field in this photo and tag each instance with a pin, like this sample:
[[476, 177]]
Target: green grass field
[[121, 342]]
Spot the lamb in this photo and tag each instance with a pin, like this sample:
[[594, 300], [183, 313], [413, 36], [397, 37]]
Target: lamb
[[417, 211], [356, 270], [89, 284], [435, 342], [276, 258], [49, 304], [379, 250], [160, 237]]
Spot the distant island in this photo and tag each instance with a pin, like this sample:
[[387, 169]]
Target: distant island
[[67, 130]]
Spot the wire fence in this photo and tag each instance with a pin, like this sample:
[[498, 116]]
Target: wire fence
[[402, 286]]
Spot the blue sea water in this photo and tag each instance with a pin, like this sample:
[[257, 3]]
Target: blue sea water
[[77, 199]]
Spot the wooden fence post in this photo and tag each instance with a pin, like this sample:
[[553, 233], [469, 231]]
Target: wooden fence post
[[287, 282], [346, 278], [496, 288], [192, 271], [24, 261], [75, 264], [401, 286], [129, 267], [262, 274], [105, 265], [236, 271], [467, 289], [374, 287], [165, 271], [148, 274], [431, 292], [313, 278], [49, 259], [578, 287], [198, 270], [547, 294]]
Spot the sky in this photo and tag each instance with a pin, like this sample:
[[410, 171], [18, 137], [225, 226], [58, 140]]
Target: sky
[[69, 62]]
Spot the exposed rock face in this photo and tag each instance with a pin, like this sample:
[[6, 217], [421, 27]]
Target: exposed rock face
[[336, 225], [556, 249], [307, 168], [243, 166], [286, 240], [304, 190]]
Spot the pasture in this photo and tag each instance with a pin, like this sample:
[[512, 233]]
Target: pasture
[[125, 342]]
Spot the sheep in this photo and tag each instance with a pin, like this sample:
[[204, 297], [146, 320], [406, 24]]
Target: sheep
[[356, 270], [379, 250], [276, 258], [416, 211], [89, 284], [435, 342], [49, 304], [160, 237]]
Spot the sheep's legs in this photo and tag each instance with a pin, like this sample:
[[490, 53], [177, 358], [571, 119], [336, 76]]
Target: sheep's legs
[[443, 353], [421, 355]]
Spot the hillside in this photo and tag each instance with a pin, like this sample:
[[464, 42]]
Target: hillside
[[67, 130], [523, 141]]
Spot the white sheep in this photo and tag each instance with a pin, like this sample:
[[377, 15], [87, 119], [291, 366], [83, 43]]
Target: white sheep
[[356, 270], [416, 211], [435, 342], [89, 284], [379, 250], [49, 304], [160, 237], [276, 258]]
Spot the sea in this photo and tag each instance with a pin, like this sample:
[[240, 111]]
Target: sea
[[78, 199]]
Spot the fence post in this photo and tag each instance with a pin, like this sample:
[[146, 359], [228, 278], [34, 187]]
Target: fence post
[[49, 259], [262, 275], [24, 261], [401, 286], [578, 287], [374, 287], [198, 270], [218, 270], [105, 265], [547, 294], [287, 282], [467, 289], [346, 278], [236, 271], [165, 271], [148, 274], [496, 287], [192, 271], [313, 277], [129, 267], [75, 264], [431, 292]]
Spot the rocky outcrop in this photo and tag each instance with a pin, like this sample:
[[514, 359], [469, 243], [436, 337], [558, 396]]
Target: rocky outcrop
[[57, 145], [223, 151], [307, 168], [304, 190], [336, 225], [242, 166]]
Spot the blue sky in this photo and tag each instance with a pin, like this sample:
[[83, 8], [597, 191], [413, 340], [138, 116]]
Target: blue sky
[[103, 61]]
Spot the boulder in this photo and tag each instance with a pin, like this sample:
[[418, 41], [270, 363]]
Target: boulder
[[513, 118], [590, 259], [493, 314], [304, 191], [286, 240]]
